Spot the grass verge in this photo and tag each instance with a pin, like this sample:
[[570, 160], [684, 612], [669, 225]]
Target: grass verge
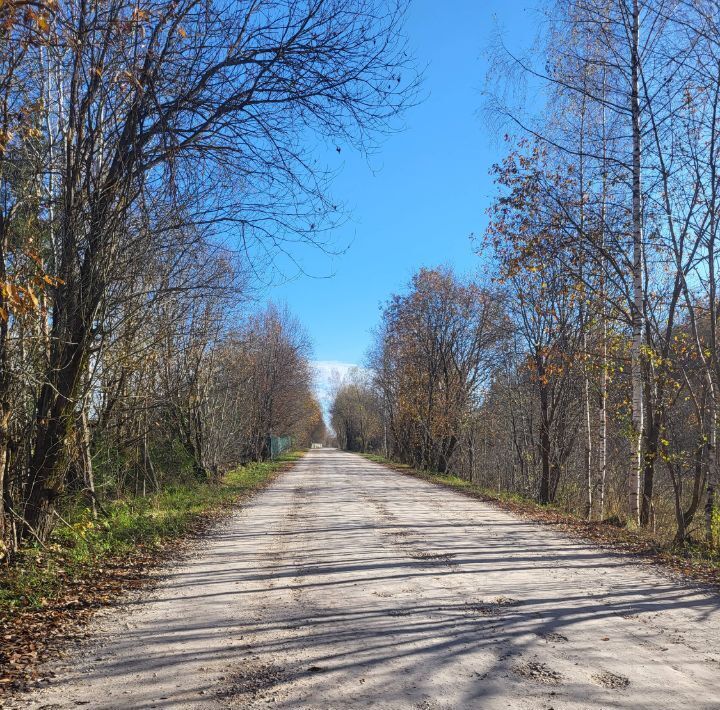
[[47, 592], [692, 562]]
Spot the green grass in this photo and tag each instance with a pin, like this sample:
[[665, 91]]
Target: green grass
[[707, 560], [452, 481], [133, 527]]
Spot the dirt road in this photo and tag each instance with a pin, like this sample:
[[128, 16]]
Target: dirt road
[[346, 585]]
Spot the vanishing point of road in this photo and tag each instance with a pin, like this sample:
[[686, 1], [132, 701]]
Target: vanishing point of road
[[347, 585]]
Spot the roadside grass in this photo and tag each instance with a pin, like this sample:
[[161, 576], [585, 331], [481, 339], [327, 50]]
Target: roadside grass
[[452, 481], [693, 560], [457, 483], [133, 531]]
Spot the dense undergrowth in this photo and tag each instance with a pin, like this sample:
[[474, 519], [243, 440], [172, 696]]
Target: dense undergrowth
[[132, 528]]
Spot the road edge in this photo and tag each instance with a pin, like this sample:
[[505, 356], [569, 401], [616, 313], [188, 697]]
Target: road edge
[[637, 547], [33, 638]]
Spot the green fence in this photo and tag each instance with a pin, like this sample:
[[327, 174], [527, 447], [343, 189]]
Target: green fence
[[278, 444]]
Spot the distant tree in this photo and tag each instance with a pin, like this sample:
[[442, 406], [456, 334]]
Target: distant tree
[[138, 125], [356, 413], [431, 360]]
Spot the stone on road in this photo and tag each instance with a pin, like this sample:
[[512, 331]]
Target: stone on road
[[347, 585]]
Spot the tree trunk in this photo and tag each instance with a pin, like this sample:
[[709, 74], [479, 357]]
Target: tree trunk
[[4, 457], [603, 419], [650, 448], [635, 468], [544, 496], [648, 479], [686, 516], [54, 421], [84, 439], [712, 476], [604, 317], [5, 409], [588, 451], [677, 482]]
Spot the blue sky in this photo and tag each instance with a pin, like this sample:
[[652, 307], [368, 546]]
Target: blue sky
[[417, 200]]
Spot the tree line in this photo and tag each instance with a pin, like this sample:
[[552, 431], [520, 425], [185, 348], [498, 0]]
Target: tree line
[[154, 167], [586, 372]]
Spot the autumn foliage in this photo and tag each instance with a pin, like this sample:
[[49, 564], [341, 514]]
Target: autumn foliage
[[154, 176]]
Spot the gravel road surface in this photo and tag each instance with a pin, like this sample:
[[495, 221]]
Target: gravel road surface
[[347, 585]]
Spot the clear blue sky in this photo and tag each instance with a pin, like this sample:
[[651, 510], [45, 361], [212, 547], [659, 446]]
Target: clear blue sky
[[417, 200]]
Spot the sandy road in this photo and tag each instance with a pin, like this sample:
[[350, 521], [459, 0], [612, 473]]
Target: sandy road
[[346, 585]]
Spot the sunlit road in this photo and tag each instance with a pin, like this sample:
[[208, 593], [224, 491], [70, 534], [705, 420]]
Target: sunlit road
[[346, 585]]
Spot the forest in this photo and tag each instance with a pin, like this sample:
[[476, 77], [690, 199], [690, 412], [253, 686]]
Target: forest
[[152, 181], [360, 354], [579, 366]]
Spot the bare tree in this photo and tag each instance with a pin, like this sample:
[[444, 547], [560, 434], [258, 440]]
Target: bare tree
[[165, 131]]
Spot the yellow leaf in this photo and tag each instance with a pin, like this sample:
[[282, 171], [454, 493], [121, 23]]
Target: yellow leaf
[[182, 32]]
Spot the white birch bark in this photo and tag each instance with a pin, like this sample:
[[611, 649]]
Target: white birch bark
[[635, 468]]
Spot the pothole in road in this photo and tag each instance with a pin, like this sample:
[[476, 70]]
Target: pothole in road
[[504, 601], [554, 637], [611, 680], [492, 607], [253, 681], [537, 671], [402, 535], [429, 705], [483, 609], [432, 556]]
